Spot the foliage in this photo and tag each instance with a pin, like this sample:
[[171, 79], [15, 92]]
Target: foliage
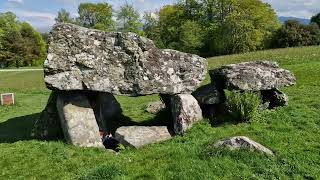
[[292, 34], [63, 17], [103, 172], [151, 28], [216, 27], [20, 44], [243, 106], [191, 37], [316, 19], [129, 19], [97, 16]]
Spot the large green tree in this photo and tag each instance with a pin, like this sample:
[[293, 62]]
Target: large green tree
[[97, 16], [64, 17], [225, 26], [249, 26], [316, 19], [21, 45], [151, 28], [292, 34], [129, 19]]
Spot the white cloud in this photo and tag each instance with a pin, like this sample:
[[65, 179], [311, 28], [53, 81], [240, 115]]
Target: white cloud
[[295, 8], [41, 20], [16, 1]]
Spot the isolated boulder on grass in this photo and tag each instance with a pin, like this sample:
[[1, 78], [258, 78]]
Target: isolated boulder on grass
[[242, 142]]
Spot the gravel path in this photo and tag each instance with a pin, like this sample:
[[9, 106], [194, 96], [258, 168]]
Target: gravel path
[[19, 70]]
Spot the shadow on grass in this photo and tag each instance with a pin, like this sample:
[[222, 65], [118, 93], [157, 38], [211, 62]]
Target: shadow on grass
[[17, 129]]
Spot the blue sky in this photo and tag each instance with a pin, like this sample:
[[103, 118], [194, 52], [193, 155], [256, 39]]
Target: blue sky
[[41, 13]]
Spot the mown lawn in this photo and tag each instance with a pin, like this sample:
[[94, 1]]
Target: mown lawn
[[291, 132]]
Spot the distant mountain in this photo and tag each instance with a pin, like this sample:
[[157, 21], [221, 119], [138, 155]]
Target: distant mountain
[[283, 19]]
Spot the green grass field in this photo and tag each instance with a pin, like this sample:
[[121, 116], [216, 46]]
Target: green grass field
[[291, 132]]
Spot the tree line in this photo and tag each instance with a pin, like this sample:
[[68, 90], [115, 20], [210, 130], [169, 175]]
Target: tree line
[[20, 43], [204, 27]]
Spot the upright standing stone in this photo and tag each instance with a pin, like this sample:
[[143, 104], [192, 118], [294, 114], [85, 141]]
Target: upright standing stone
[[185, 112], [48, 126], [78, 120]]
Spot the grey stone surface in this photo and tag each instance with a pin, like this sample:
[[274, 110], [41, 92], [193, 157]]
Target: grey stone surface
[[78, 120], [242, 142], [48, 125], [185, 112], [275, 98], [209, 94], [253, 76], [155, 107], [138, 136], [118, 63]]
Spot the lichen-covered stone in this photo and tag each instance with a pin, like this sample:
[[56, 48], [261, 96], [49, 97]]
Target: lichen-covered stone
[[252, 76], [274, 98], [78, 120], [242, 142], [155, 107], [138, 136], [209, 94], [185, 112], [48, 125], [118, 63]]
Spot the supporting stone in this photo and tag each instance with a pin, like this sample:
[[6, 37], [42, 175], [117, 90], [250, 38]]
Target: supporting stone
[[48, 126], [209, 94], [275, 98], [210, 99], [185, 112], [78, 120], [138, 136]]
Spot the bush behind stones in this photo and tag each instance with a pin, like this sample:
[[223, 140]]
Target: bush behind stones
[[243, 106]]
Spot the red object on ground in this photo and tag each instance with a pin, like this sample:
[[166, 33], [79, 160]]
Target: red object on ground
[[7, 99]]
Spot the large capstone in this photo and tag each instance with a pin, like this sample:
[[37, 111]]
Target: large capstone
[[252, 76], [118, 63]]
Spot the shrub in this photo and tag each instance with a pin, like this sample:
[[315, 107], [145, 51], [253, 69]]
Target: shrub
[[243, 106]]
